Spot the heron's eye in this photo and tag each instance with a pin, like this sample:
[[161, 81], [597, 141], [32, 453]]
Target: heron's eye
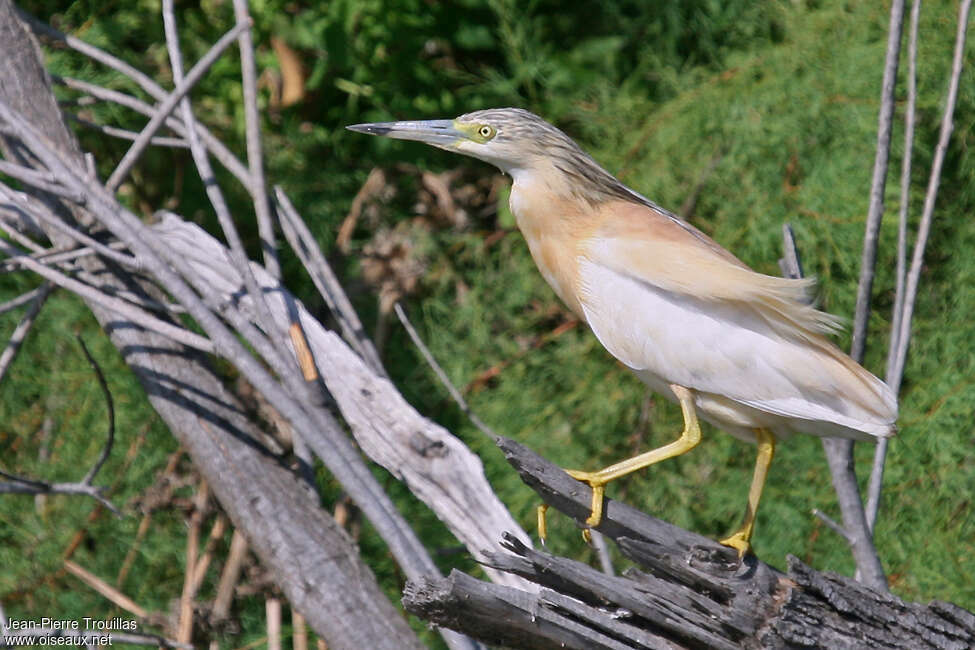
[[486, 132]]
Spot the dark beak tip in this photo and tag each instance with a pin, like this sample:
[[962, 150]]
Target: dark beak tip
[[370, 129]]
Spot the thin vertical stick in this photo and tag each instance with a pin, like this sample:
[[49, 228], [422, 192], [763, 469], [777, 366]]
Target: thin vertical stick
[[299, 631], [840, 464], [216, 534], [185, 627], [880, 453], [896, 372], [213, 191], [230, 575], [255, 157], [839, 453], [272, 608], [166, 107], [905, 186], [875, 212]]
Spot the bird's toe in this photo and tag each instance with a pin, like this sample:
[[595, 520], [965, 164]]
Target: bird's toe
[[738, 541]]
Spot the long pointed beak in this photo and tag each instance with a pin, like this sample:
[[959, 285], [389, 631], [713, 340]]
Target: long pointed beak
[[439, 133]]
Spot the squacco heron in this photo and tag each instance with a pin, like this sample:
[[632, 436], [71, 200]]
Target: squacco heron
[[744, 351]]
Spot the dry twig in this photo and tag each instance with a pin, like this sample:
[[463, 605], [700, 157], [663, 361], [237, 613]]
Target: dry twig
[[903, 321], [108, 591], [20, 332], [441, 375], [839, 453], [22, 485]]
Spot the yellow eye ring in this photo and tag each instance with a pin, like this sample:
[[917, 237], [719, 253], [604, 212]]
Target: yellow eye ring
[[486, 132]]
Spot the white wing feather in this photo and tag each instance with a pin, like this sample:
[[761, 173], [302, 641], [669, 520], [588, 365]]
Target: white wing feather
[[727, 349]]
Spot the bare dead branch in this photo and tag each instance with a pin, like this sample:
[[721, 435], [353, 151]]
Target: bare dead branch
[[61, 259], [13, 219], [689, 592], [602, 552], [214, 193], [206, 556], [41, 180], [896, 371], [255, 157], [880, 454], [875, 212], [117, 305], [905, 193], [840, 460], [839, 453], [110, 408], [422, 454], [166, 107], [230, 575], [441, 375], [266, 504], [184, 628], [215, 146], [20, 485], [931, 196], [299, 632], [833, 525], [108, 591], [92, 52], [42, 213], [304, 245], [162, 262], [23, 327], [125, 134], [23, 485], [272, 610], [22, 299]]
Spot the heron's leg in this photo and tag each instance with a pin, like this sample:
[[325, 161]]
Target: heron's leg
[[741, 538], [689, 439]]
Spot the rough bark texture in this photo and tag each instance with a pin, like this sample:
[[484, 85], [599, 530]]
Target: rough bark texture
[[438, 468], [690, 592], [312, 559]]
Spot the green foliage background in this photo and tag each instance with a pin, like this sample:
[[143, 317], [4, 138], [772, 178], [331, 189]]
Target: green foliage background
[[780, 99]]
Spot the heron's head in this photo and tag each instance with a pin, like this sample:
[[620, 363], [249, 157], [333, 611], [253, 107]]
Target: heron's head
[[509, 138], [517, 142]]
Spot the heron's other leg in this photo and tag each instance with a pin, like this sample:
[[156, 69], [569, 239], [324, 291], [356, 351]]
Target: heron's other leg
[[688, 439], [741, 538]]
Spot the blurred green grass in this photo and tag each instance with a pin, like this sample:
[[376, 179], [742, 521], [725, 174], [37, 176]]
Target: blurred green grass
[[777, 100]]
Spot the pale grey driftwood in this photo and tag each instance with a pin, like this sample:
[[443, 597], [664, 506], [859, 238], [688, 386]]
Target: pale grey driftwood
[[438, 468]]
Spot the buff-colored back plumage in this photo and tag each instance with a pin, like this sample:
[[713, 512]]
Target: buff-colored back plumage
[[626, 265]]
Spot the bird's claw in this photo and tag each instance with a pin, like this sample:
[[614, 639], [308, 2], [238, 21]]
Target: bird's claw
[[598, 485], [542, 525], [738, 541]]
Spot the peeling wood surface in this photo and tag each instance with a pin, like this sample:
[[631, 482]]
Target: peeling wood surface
[[437, 467], [687, 591]]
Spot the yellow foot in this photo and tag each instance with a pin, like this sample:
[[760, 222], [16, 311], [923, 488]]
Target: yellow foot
[[739, 541], [542, 526], [598, 485]]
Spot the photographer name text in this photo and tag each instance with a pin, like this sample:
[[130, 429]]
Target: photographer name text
[[85, 623]]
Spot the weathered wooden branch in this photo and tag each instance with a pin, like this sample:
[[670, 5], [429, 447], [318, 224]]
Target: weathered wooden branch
[[689, 592], [313, 560], [440, 470]]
